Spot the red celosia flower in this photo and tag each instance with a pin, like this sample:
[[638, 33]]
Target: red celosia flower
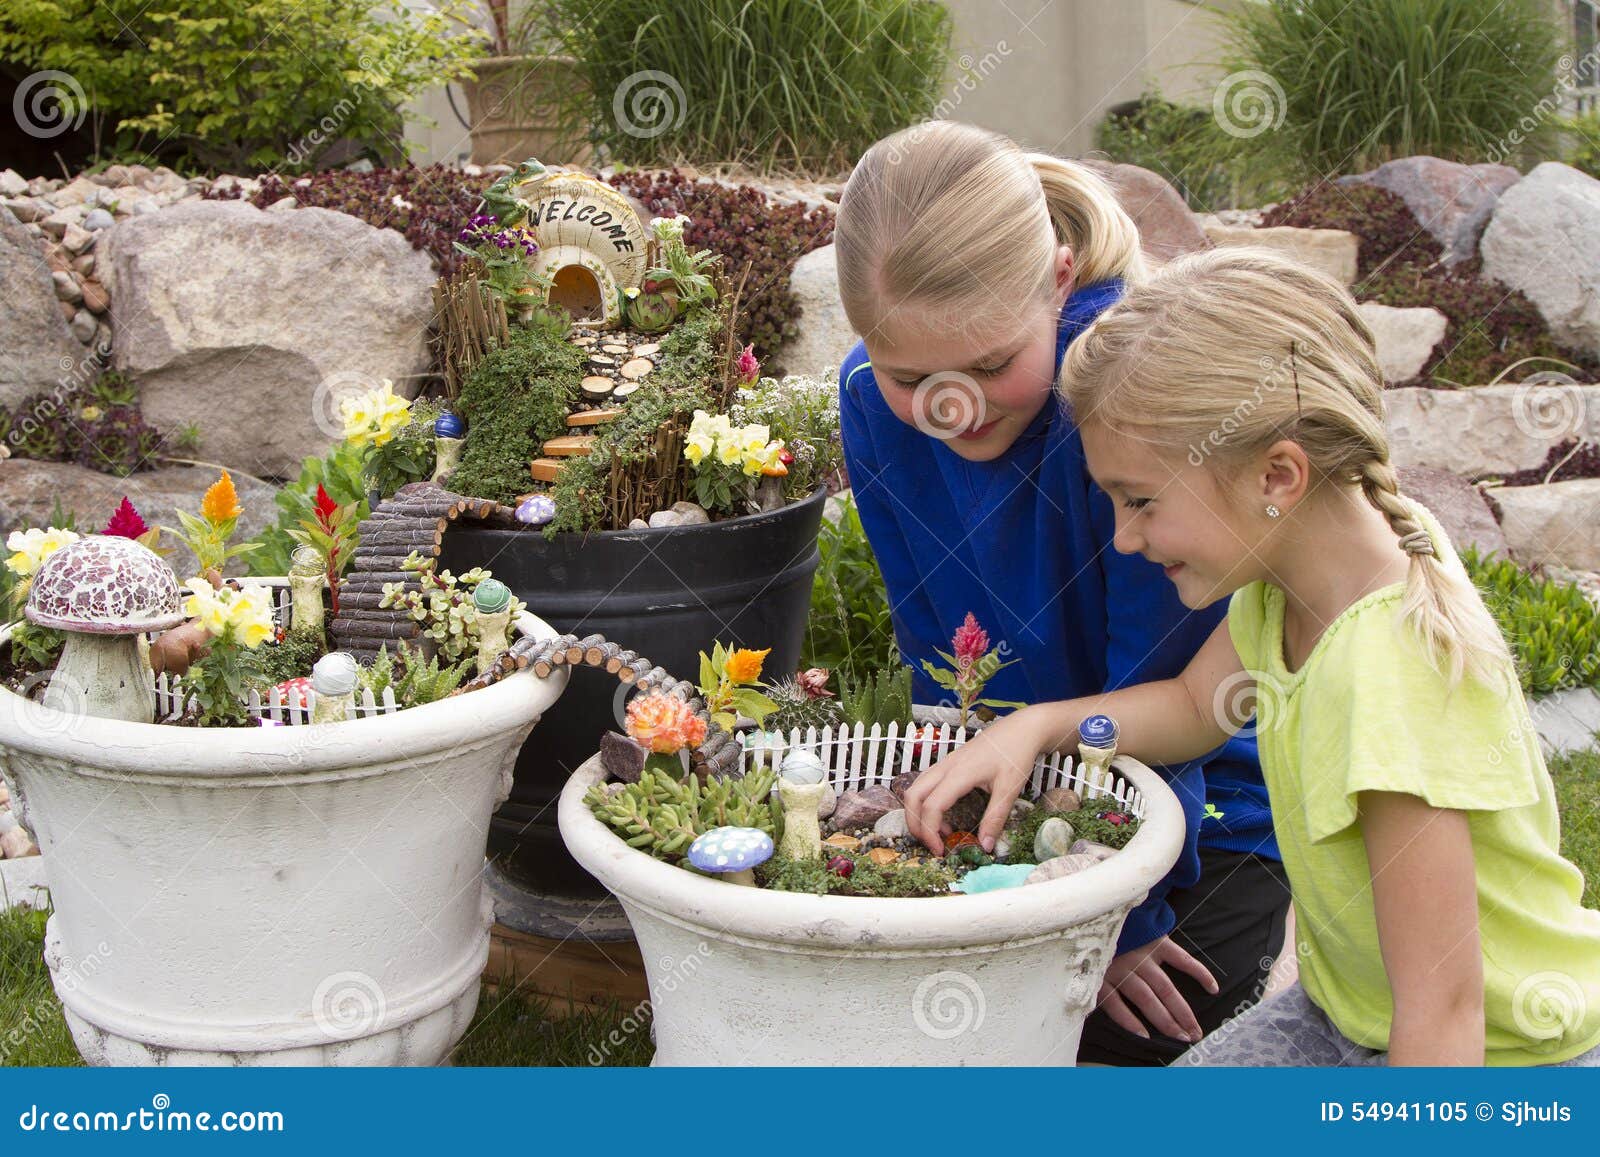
[[326, 507], [126, 523], [970, 643]]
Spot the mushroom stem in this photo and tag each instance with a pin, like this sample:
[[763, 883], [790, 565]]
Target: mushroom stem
[[746, 876], [101, 675]]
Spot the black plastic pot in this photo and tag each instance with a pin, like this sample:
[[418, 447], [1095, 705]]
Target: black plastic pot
[[668, 594]]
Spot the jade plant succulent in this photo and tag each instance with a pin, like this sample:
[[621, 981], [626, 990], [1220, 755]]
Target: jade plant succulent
[[662, 814]]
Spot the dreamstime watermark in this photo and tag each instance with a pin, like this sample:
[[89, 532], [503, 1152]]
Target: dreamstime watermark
[[1573, 75], [947, 404], [329, 398], [1249, 103], [38, 1017], [1550, 406], [670, 974], [649, 103], [78, 374], [1247, 703], [347, 1005], [948, 1004], [973, 72], [1548, 1005], [49, 103], [1278, 372], [306, 148], [64, 703]]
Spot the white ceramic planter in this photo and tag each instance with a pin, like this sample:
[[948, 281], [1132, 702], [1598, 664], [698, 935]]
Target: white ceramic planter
[[745, 976], [307, 895]]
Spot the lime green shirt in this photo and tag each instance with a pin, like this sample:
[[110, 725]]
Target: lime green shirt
[[1368, 712]]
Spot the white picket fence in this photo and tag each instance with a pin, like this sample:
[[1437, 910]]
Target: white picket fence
[[172, 697], [858, 757]]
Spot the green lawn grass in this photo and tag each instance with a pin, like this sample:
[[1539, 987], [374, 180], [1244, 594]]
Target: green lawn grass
[[516, 1029]]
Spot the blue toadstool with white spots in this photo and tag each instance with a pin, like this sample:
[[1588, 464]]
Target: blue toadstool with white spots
[[732, 853]]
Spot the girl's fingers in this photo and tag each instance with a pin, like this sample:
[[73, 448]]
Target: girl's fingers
[[994, 820], [1174, 954], [1176, 1018], [1118, 1012], [1138, 991]]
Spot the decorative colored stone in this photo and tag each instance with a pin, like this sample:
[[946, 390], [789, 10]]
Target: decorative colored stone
[[860, 809], [957, 840], [536, 510], [891, 824], [1054, 838], [974, 855], [491, 595], [449, 425], [1060, 799], [841, 866], [993, 877], [883, 856], [843, 841]]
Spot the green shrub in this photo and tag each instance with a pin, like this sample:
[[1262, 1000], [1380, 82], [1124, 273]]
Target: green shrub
[[849, 629], [1365, 83], [339, 472], [1580, 142], [765, 82], [1186, 145], [1553, 629], [235, 84], [513, 401]]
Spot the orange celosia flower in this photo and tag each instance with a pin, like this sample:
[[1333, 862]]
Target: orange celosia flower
[[664, 724], [744, 665], [221, 501]]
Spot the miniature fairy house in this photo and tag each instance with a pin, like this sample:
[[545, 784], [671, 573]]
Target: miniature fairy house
[[592, 246]]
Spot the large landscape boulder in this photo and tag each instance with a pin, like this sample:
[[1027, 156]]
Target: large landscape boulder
[[1544, 239], [37, 350], [29, 491], [1331, 251], [254, 325], [823, 336], [1460, 507], [1405, 338], [1452, 201], [1488, 430], [1557, 523], [1167, 227]]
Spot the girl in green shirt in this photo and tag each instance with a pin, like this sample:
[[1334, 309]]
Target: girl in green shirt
[[1232, 408]]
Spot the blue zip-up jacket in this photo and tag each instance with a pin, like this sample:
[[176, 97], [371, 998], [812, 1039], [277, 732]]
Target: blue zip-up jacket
[[1024, 543]]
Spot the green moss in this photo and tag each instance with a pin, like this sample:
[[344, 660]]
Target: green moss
[[1084, 827], [293, 657], [513, 401], [930, 878]]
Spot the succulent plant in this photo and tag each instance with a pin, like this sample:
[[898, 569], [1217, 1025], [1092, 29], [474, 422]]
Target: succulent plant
[[662, 814], [882, 697], [443, 606]]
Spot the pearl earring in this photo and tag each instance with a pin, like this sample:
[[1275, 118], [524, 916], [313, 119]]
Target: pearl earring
[[1273, 511]]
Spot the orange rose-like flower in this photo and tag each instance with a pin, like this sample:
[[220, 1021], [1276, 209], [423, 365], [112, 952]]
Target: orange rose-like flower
[[744, 665], [221, 501], [664, 724]]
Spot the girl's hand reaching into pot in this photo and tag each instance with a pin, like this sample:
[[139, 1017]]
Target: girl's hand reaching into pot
[[998, 759]]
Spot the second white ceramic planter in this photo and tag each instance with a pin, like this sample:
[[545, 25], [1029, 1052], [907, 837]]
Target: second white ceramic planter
[[746, 976]]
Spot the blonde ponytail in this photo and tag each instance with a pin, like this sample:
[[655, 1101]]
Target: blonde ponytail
[[1222, 353], [1087, 216], [947, 225]]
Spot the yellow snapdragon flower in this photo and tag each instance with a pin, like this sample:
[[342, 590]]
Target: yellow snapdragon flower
[[31, 547]]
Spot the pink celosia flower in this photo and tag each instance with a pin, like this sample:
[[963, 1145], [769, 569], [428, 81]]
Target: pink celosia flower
[[970, 642], [747, 365]]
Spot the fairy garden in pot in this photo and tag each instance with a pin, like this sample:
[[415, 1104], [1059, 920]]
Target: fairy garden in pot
[[594, 376], [813, 802], [102, 626]]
